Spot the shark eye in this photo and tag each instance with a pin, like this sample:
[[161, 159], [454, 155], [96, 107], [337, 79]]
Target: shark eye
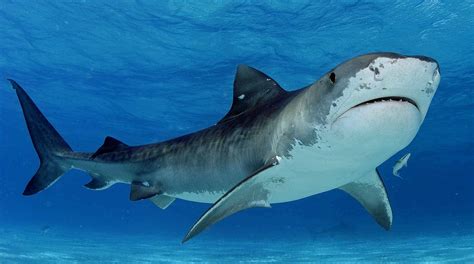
[[332, 77]]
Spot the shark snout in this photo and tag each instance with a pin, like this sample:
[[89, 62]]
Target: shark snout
[[431, 61], [433, 77], [432, 65]]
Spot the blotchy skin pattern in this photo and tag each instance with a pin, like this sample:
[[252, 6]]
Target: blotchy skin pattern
[[324, 135]]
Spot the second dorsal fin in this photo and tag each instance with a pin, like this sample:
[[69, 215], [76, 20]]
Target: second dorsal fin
[[251, 88], [110, 144]]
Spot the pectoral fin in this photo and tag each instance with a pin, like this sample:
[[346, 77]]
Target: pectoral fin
[[370, 192], [251, 192]]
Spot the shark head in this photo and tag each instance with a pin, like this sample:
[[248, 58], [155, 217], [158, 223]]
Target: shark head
[[383, 79], [374, 104]]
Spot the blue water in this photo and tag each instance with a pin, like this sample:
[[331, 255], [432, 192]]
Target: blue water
[[144, 72]]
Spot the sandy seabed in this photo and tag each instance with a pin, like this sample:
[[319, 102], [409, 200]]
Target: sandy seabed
[[54, 247]]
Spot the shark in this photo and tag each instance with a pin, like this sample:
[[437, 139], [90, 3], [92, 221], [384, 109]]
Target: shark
[[273, 146]]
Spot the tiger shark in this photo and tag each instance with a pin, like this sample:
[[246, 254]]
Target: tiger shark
[[273, 145]]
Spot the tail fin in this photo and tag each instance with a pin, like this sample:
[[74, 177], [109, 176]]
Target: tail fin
[[47, 142]]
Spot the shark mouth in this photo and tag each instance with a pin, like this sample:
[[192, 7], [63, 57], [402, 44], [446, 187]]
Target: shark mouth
[[388, 99]]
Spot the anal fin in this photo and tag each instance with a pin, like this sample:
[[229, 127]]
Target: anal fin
[[139, 191], [251, 192], [371, 194], [162, 201]]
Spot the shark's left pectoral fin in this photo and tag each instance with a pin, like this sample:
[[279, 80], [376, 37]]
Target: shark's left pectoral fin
[[251, 192], [370, 192]]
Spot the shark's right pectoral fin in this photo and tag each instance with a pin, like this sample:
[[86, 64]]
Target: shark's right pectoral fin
[[251, 192], [371, 194]]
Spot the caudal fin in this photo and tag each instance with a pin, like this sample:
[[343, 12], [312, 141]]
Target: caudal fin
[[49, 145]]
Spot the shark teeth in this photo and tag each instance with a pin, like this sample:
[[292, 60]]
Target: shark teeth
[[388, 99]]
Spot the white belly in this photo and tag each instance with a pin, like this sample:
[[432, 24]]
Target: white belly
[[310, 172], [307, 173]]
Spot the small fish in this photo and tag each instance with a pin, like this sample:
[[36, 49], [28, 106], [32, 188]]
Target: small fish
[[403, 162]]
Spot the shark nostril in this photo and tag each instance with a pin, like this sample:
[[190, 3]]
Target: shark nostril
[[436, 72], [434, 77]]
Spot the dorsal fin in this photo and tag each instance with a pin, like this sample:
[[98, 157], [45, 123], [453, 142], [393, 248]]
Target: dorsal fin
[[251, 88], [110, 144]]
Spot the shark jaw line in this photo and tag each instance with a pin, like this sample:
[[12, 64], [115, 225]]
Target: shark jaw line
[[382, 100], [388, 99]]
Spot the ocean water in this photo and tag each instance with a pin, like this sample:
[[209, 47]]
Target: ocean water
[[144, 72]]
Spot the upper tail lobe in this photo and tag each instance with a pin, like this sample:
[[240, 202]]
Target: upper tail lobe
[[49, 145]]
